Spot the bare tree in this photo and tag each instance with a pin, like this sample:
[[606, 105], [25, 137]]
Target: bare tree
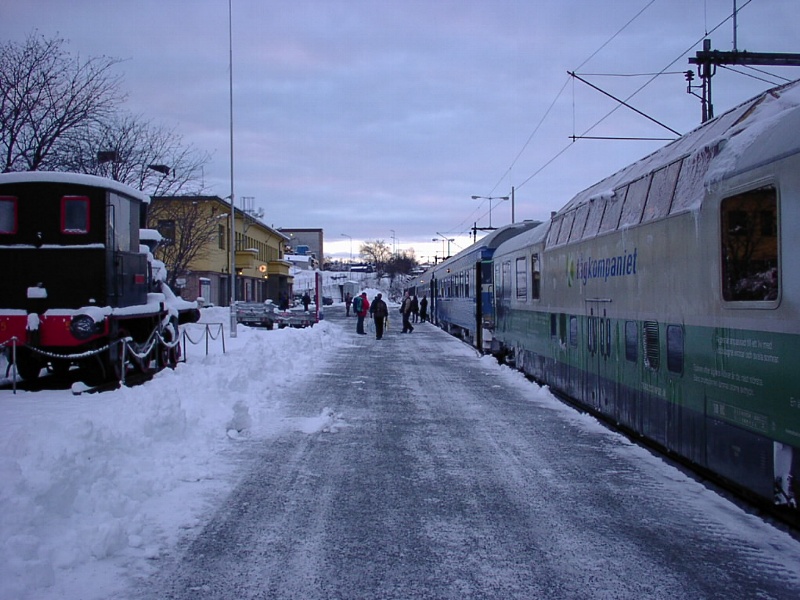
[[377, 253], [48, 97], [189, 229], [136, 152]]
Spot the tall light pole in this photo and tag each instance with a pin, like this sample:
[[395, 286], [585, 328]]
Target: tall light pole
[[490, 198], [233, 203], [351, 246]]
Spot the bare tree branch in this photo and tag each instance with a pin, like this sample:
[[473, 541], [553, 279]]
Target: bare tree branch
[[47, 97]]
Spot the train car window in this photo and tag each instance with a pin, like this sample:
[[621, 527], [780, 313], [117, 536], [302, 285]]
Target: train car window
[[123, 230], [579, 224], [573, 331], [631, 341], [555, 227], [537, 277], [562, 327], [613, 209], [675, 348], [652, 357], [662, 189], [522, 278], [553, 326], [634, 202], [750, 246], [506, 280], [597, 207], [8, 214], [690, 189], [566, 227], [74, 214], [466, 283]]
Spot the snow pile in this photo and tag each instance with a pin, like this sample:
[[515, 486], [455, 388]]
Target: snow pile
[[117, 474]]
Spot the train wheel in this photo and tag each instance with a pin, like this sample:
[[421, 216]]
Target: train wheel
[[170, 355], [59, 368], [28, 365]]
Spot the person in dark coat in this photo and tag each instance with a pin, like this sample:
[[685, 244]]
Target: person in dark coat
[[405, 308], [348, 300], [423, 309], [414, 309], [306, 301], [379, 312]]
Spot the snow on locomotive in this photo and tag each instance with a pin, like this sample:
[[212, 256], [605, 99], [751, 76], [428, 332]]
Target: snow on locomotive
[[78, 288]]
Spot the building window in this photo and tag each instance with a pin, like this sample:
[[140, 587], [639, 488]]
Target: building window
[[750, 242], [74, 214], [8, 214], [221, 229], [166, 227]]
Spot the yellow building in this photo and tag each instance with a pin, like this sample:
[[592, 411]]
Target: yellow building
[[196, 251]]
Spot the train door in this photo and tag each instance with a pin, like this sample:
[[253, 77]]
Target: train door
[[600, 364]]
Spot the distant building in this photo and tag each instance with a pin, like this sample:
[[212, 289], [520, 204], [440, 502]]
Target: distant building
[[196, 238], [305, 242], [304, 262]]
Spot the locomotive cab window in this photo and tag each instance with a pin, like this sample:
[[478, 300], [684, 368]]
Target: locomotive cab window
[[74, 214], [8, 215], [749, 240]]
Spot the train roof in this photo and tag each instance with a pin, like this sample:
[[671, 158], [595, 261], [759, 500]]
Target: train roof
[[490, 241], [73, 179], [525, 239], [758, 130]]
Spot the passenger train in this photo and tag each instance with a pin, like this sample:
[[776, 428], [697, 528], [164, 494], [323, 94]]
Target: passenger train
[[663, 298], [79, 289], [463, 301]]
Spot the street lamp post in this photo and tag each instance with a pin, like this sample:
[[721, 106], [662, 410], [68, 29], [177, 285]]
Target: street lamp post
[[351, 247], [490, 198], [232, 240]]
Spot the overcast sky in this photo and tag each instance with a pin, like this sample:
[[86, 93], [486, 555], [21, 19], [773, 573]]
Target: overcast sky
[[378, 118]]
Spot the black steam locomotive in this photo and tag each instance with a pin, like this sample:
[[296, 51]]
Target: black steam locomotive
[[78, 287]]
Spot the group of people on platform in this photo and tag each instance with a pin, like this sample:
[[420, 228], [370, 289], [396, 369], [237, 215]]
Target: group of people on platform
[[412, 310]]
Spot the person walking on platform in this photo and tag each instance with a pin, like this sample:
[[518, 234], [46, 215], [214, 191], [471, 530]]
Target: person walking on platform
[[405, 308], [379, 312], [348, 300], [423, 309], [361, 307]]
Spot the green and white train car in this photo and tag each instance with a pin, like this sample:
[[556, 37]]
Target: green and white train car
[[666, 297]]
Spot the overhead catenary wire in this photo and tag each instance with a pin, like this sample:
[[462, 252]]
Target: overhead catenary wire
[[637, 91]]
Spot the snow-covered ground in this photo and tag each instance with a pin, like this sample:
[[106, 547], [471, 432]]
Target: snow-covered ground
[[91, 484]]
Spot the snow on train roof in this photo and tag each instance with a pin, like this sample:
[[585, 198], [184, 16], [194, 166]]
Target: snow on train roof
[[525, 239], [73, 178], [758, 130]]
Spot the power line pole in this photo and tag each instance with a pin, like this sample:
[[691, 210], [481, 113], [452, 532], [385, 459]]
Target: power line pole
[[707, 61]]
